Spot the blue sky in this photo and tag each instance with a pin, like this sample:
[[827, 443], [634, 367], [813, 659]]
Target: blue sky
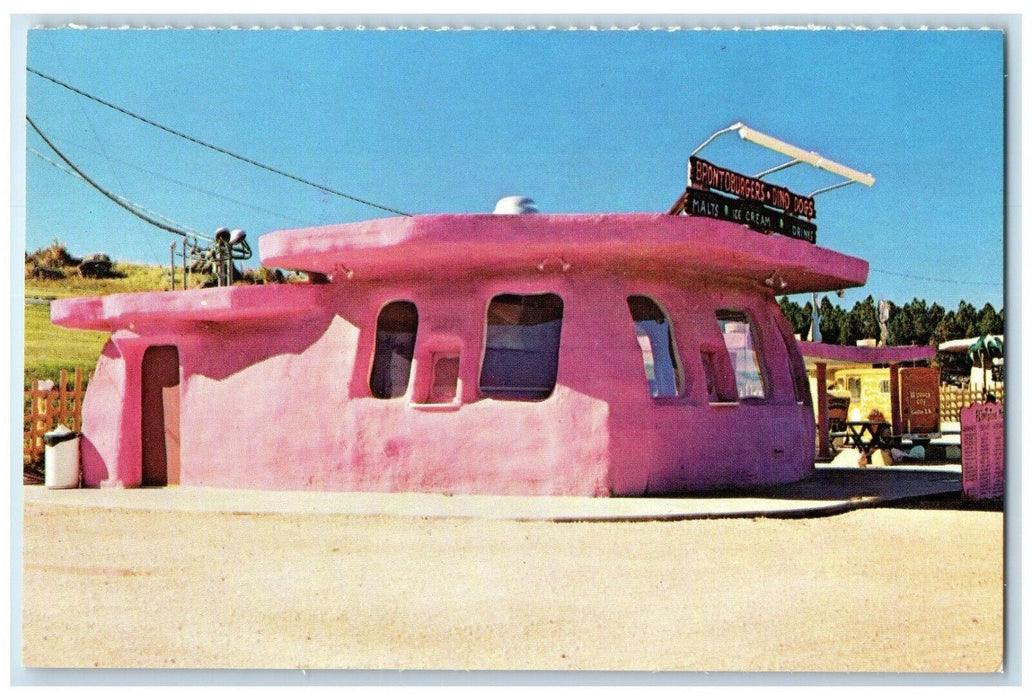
[[582, 121]]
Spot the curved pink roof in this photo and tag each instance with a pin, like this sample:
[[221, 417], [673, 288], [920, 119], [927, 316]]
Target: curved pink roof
[[214, 304], [856, 355], [442, 245]]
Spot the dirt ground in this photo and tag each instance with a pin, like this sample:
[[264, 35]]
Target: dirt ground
[[881, 589]]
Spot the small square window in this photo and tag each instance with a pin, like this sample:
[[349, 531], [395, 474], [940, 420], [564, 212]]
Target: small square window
[[444, 387]]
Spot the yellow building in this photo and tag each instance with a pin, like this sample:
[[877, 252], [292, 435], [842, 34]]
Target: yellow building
[[867, 387]]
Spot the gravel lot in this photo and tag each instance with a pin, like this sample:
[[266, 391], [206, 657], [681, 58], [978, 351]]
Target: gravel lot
[[878, 589]]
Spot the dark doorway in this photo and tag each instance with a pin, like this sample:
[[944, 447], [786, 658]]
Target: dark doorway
[[160, 415]]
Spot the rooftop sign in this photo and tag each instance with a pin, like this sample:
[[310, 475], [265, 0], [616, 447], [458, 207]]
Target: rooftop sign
[[754, 203], [759, 205], [705, 175], [696, 202]]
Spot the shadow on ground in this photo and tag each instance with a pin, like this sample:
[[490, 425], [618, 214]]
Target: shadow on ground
[[927, 488], [948, 501]]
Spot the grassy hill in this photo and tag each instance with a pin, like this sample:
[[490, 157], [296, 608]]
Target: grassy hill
[[131, 278], [50, 348]]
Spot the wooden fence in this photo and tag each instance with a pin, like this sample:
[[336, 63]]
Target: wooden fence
[[46, 408], [952, 399]]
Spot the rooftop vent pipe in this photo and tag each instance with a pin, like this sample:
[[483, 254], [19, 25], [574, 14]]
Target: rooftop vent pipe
[[516, 205]]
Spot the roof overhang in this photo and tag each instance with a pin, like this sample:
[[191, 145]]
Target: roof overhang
[[842, 356], [446, 246], [217, 304]]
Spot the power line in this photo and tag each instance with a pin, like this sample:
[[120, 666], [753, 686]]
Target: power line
[[935, 279], [80, 105], [166, 178], [140, 207], [120, 201], [218, 149]]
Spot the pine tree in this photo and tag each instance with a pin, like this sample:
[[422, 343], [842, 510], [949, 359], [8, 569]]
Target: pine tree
[[798, 316], [988, 321], [901, 326], [966, 319]]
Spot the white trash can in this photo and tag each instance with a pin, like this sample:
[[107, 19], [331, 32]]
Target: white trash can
[[61, 458]]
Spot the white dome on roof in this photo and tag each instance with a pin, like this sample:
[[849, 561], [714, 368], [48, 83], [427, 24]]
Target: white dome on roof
[[516, 204]]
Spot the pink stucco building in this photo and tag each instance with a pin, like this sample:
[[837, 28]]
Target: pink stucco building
[[596, 355]]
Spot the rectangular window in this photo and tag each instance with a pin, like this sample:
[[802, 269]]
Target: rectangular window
[[854, 388], [652, 328], [738, 337], [883, 386], [395, 340], [521, 354]]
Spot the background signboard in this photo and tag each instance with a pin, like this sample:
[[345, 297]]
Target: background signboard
[[981, 450], [919, 399]]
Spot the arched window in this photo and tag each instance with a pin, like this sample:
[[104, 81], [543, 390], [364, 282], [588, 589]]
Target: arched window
[[395, 341], [656, 340], [521, 354]]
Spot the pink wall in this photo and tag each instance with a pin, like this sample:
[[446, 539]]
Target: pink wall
[[275, 388], [286, 404]]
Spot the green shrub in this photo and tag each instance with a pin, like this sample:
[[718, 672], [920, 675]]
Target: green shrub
[[55, 255]]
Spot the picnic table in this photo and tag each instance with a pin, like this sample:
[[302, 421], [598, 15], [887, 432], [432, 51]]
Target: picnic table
[[868, 436]]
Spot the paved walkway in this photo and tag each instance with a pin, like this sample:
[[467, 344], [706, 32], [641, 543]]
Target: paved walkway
[[829, 490]]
